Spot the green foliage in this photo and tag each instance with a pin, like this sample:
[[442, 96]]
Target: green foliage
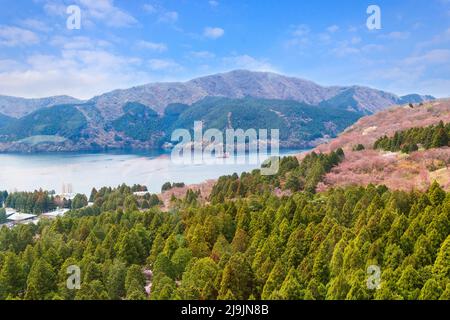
[[62, 120], [36, 202], [256, 245], [358, 147], [139, 122], [79, 201], [407, 141], [292, 175]]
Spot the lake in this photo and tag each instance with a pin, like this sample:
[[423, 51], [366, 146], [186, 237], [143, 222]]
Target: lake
[[28, 172]]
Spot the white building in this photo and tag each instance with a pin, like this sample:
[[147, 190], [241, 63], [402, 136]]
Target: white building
[[53, 214], [140, 193], [21, 217]]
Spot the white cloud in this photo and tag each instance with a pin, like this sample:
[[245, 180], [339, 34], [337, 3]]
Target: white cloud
[[163, 64], [432, 57], [332, 29], [202, 54], [345, 50], [36, 25], [247, 62], [300, 30], [213, 3], [105, 11], [149, 8], [99, 10], [14, 36], [168, 17], [213, 33], [396, 35], [152, 46], [80, 73], [370, 48], [54, 8], [78, 42], [355, 40]]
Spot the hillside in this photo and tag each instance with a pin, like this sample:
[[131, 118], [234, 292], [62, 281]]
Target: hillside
[[82, 127], [234, 85], [397, 170], [144, 117], [19, 107], [242, 83]]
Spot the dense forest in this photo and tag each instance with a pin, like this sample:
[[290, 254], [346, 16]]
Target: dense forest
[[39, 201], [245, 243], [434, 136]]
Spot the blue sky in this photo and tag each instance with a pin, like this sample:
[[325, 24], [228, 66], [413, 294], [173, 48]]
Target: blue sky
[[123, 43]]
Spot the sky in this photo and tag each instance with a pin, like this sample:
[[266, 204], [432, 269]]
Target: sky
[[124, 43]]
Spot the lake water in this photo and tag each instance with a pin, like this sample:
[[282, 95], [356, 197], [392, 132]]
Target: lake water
[[28, 172]]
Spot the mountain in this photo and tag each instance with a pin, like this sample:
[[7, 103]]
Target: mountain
[[19, 107], [242, 83], [143, 117], [81, 126]]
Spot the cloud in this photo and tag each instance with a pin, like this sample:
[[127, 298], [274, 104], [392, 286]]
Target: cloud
[[202, 54], [9, 65], [213, 33], [432, 57], [149, 8], [78, 42], [36, 25], [247, 62], [168, 17], [163, 64], [370, 48], [80, 73], [54, 8], [345, 50], [396, 35], [14, 36], [332, 29], [99, 10], [153, 46], [300, 30], [104, 10], [213, 3]]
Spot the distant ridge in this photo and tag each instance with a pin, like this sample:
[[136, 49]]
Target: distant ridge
[[18, 107], [234, 85]]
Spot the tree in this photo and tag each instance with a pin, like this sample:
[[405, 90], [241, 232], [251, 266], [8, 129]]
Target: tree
[[431, 290], [196, 283], [237, 277], [2, 215], [180, 260], [440, 138], [131, 249], [115, 281], [79, 201], [291, 288], [134, 283], [275, 280], [164, 265], [94, 290], [12, 276], [41, 280]]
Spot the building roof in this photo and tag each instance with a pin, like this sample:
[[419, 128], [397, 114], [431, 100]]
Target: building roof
[[21, 216], [56, 213]]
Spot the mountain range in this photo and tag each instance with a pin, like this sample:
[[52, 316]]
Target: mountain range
[[143, 116]]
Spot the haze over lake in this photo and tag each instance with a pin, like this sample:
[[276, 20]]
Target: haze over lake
[[28, 172]]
